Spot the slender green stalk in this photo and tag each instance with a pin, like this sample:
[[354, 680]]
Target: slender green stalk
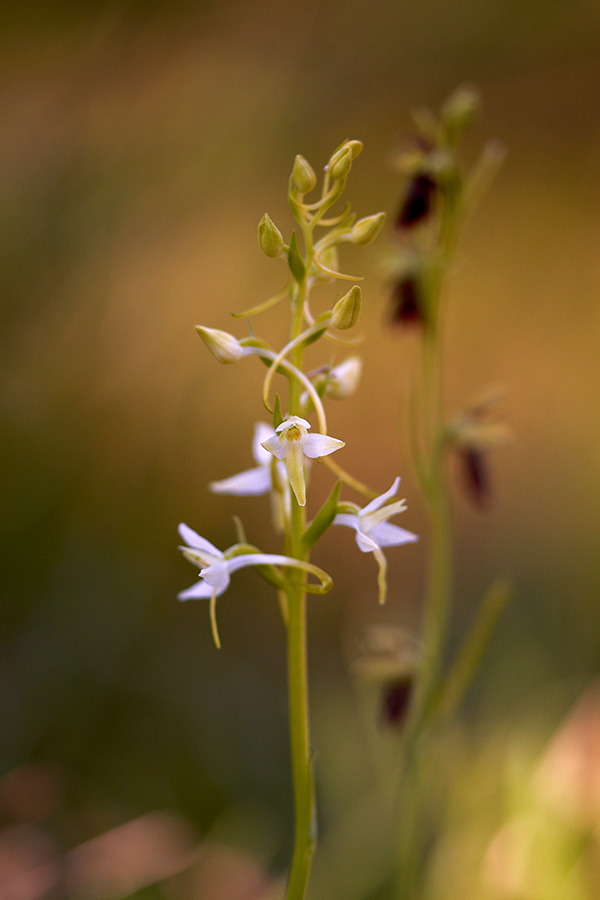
[[302, 776]]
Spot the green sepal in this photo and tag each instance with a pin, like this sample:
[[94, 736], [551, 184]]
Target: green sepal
[[323, 518], [295, 261], [277, 416]]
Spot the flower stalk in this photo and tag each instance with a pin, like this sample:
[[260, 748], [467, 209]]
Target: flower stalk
[[290, 447]]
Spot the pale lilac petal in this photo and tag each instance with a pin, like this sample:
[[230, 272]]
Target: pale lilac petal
[[194, 540], [262, 433], [250, 483], [274, 447], [387, 535], [198, 591], [347, 519], [316, 445], [383, 498], [217, 576], [366, 543]]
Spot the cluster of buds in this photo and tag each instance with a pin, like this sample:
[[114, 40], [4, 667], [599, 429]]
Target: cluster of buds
[[435, 192]]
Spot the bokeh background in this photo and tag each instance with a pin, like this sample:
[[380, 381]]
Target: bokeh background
[[140, 146]]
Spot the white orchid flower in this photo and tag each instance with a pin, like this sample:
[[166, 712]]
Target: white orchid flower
[[216, 569], [373, 531], [292, 443], [270, 476]]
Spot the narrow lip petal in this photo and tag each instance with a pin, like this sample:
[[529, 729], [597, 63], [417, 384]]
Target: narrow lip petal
[[199, 591], [316, 445], [193, 539], [250, 483], [294, 460], [383, 498]]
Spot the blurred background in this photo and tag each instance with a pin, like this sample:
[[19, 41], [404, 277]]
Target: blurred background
[[140, 146]]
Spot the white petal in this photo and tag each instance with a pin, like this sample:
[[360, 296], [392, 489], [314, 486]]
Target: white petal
[[388, 535], [274, 447], [194, 540], [347, 519], [262, 433], [198, 591], [366, 543], [316, 445], [383, 498], [302, 424], [250, 483], [217, 576]]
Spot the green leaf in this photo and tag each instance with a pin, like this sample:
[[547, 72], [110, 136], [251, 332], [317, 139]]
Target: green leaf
[[469, 656], [323, 518], [295, 261], [315, 336]]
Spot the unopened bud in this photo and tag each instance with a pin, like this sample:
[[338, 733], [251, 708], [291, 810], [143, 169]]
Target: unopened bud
[[366, 230], [460, 108], [270, 238], [221, 344], [355, 147], [346, 311], [340, 163], [343, 380], [303, 175]]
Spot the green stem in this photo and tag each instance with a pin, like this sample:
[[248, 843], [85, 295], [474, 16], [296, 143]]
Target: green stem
[[302, 776]]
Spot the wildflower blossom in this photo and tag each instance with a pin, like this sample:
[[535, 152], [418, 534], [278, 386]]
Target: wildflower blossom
[[292, 443], [373, 531], [270, 476], [216, 569]]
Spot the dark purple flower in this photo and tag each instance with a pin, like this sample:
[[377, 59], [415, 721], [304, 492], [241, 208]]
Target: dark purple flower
[[396, 695], [418, 200], [475, 476], [407, 302]]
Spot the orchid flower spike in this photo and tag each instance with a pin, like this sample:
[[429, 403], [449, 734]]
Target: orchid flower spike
[[292, 442], [270, 476], [373, 531], [216, 568]]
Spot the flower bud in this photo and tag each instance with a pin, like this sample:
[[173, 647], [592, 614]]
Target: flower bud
[[460, 108], [343, 380], [346, 311], [340, 163], [355, 147], [221, 344], [366, 230], [270, 238], [303, 175]]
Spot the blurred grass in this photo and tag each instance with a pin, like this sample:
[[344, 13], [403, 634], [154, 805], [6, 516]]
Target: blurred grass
[[140, 148]]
